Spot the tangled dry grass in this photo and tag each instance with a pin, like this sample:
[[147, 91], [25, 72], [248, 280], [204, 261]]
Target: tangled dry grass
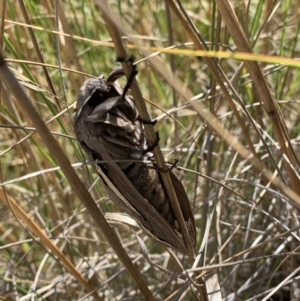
[[230, 119]]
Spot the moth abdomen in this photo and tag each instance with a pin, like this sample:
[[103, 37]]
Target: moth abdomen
[[147, 182]]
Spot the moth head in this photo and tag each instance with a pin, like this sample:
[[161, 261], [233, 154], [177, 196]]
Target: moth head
[[92, 92]]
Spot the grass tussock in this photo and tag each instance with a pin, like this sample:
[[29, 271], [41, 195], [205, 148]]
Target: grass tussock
[[233, 124]]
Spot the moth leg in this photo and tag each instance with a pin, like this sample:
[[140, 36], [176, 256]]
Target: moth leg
[[150, 148], [144, 121], [168, 169], [132, 75], [119, 72], [129, 59]]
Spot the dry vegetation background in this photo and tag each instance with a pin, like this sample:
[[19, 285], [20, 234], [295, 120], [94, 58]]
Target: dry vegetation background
[[247, 227]]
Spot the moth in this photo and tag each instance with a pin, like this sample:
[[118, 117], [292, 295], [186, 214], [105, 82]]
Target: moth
[[109, 130]]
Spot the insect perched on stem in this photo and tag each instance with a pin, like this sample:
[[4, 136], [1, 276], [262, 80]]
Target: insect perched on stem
[[109, 130]]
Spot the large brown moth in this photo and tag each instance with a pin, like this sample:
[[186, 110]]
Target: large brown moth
[[109, 130]]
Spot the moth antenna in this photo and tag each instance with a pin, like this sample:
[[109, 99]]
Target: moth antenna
[[115, 74]]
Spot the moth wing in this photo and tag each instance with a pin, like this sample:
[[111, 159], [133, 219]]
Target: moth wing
[[131, 201], [80, 108], [102, 109], [185, 206]]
